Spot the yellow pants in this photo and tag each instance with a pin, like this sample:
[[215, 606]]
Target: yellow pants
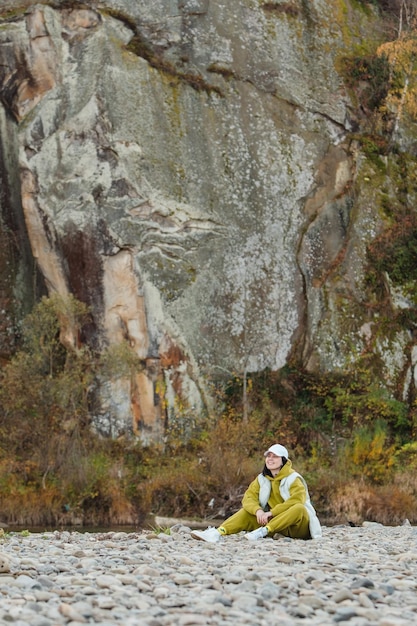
[[292, 523]]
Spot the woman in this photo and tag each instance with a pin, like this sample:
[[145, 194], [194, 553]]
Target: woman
[[277, 501]]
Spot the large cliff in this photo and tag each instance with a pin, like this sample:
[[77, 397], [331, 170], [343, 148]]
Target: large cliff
[[191, 170]]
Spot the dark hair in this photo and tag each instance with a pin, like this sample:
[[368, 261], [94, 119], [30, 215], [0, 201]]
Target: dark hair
[[267, 472]]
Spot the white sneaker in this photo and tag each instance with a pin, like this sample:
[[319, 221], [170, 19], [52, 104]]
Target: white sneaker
[[211, 535], [259, 533]]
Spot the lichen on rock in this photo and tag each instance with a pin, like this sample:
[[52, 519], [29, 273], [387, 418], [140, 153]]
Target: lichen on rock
[[186, 171]]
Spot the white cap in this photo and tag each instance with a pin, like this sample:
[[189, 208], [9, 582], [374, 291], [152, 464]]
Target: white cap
[[278, 450]]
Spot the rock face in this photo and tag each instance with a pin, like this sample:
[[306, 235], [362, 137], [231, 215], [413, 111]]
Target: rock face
[[183, 167]]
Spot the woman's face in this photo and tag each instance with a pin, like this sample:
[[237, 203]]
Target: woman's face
[[273, 463]]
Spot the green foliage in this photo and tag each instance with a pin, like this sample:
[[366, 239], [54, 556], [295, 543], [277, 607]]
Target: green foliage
[[371, 454], [368, 76], [160, 530], [43, 329], [119, 360], [307, 408], [43, 390], [359, 403], [395, 250], [174, 486], [373, 147], [406, 456], [286, 8], [216, 470], [52, 466]]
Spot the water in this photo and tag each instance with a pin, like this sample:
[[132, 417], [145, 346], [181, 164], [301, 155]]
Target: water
[[78, 529]]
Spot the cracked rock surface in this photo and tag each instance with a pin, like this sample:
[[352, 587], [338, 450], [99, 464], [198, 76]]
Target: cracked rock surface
[[182, 167]]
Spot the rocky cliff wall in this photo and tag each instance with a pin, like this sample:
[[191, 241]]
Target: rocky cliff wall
[[185, 167]]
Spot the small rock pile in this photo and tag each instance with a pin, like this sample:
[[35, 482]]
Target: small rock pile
[[356, 576]]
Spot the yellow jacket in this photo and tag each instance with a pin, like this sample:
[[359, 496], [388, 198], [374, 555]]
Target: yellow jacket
[[276, 503]]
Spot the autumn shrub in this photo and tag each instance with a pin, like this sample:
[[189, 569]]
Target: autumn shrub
[[23, 501], [285, 407], [316, 412], [25, 507], [347, 435], [404, 474], [391, 506], [347, 502], [43, 389], [369, 478], [46, 440], [357, 501], [368, 77], [394, 251], [206, 479], [175, 488], [370, 454], [231, 459], [343, 431], [406, 459]]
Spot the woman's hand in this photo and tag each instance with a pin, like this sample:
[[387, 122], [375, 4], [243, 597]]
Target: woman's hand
[[262, 517]]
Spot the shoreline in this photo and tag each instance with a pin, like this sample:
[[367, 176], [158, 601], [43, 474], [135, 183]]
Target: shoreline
[[162, 523]]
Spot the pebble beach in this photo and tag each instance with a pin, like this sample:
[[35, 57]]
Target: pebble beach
[[358, 576]]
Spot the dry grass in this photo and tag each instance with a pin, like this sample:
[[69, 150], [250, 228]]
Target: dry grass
[[31, 508], [357, 502]]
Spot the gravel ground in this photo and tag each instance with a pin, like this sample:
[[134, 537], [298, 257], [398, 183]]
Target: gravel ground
[[360, 576]]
